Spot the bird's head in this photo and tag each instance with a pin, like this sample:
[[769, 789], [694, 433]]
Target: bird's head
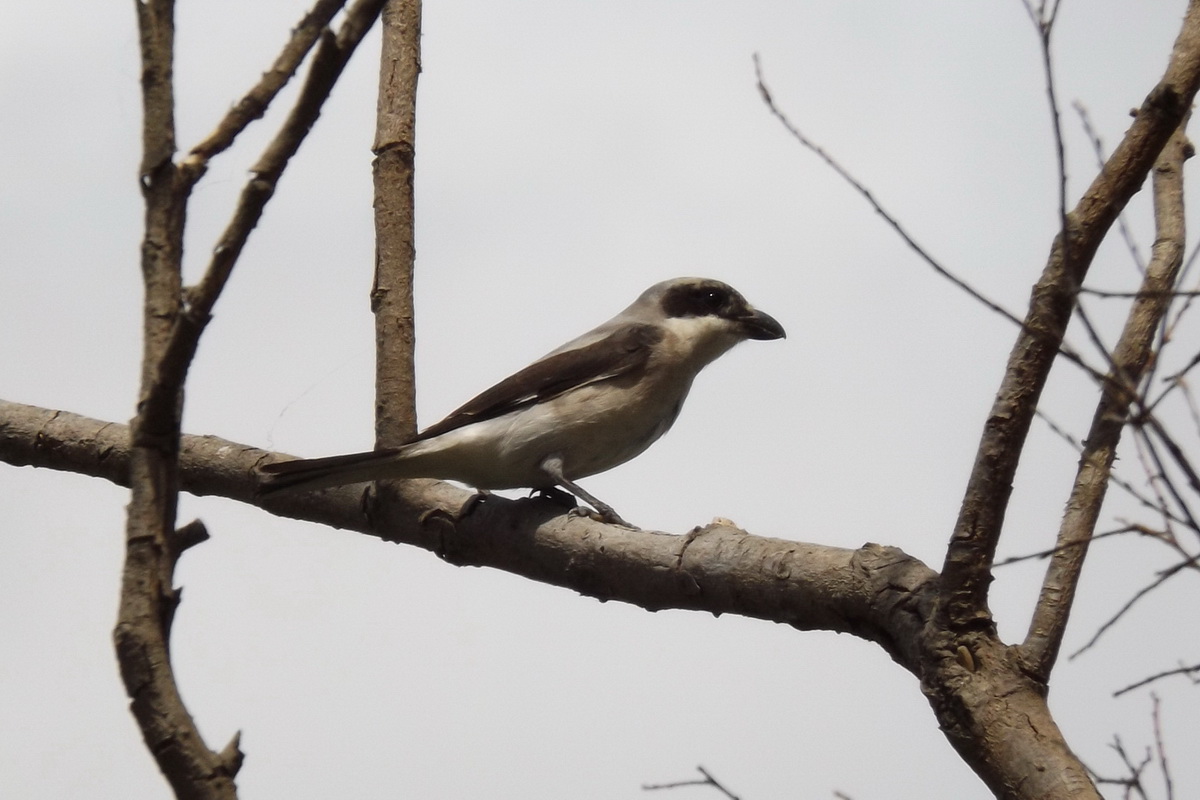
[[709, 315]]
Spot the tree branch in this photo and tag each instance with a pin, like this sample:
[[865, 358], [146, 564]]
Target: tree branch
[[867, 195], [974, 684], [718, 568], [255, 102], [1130, 358], [148, 597], [1183, 670], [707, 780], [966, 572], [173, 324], [395, 250], [330, 59]]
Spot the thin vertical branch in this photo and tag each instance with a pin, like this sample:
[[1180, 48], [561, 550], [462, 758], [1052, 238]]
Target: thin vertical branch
[[1130, 359], [173, 322], [1160, 749], [395, 249], [966, 572], [152, 546]]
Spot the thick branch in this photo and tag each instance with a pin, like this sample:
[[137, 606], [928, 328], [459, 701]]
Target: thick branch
[[966, 573], [974, 683], [395, 249], [719, 568], [1130, 359]]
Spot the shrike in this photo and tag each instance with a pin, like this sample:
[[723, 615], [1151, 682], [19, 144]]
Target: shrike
[[594, 403]]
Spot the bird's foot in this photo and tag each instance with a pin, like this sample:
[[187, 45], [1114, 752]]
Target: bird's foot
[[601, 513], [556, 495], [604, 514]]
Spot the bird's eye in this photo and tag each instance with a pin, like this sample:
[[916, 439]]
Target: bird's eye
[[711, 299]]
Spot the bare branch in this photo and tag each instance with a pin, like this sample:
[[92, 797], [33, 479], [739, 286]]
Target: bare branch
[[892, 222], [1162, 578], [1130, 359], [1133, 783], [708, 780], [148, 596], [1098, 147], [254, 104], [173, 324], [1160, 749], [1194, 669], [966, 573], [395, 217], [328, 62], [717, 568], [877, 593]]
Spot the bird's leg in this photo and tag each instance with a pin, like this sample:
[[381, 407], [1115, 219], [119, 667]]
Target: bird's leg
[[553, 466], [556, 495]]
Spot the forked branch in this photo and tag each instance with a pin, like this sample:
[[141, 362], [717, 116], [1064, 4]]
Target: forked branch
[[173, 321], [967, 570], [1130, 358]]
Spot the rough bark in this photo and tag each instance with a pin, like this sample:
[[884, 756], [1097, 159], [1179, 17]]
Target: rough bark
[[1131, 357], [173, 321], [992, 712], [395, 248], [966, 573]]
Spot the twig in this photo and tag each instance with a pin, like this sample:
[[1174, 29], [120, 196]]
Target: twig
[[1162, 578], [1103, 294], [1181, 670], [1064, 349], [1132, 784], [1161, 749], [1042, 554], [708, 780], [892, 222], [1154, 479], [1158, 505], [1179, 458], [255, 102], [1126, 234]]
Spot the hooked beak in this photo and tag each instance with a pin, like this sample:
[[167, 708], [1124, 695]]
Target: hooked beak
[[761, 325]]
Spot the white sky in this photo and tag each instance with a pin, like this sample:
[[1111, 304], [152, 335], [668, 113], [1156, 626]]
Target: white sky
[[569, 155]]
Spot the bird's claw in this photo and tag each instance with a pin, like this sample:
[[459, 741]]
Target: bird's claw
[[605, 515]]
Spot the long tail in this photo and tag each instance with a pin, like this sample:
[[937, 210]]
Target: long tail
[[321, 473]]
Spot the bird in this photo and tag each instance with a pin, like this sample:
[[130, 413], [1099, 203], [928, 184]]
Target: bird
[[590, 405]]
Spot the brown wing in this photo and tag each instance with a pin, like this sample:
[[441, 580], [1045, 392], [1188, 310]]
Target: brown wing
[[626, 350]]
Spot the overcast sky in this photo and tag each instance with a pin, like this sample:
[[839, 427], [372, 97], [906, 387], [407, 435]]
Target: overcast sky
[[569, 155]]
